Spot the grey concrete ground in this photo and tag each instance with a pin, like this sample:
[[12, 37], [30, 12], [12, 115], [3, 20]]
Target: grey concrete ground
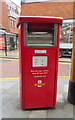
[[11, 104]]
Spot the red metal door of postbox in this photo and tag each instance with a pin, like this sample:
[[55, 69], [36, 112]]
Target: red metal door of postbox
[[38, 95]]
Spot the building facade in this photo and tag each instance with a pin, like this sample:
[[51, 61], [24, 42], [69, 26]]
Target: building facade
[[56, 8], [9, 12], [13, 13]]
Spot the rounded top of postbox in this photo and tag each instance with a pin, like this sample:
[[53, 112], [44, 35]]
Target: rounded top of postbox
[[39, 19]]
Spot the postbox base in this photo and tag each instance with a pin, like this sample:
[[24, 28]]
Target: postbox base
[[44, 108], [71, 93]]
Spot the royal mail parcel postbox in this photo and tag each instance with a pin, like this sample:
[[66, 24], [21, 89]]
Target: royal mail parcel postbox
[[39, 50]]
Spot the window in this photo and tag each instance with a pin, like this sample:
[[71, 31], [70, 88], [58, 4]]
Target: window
[[12, 23], [10, 7], [30, 1], [7, 6], [12, 10], [11, 40], [40, 35]]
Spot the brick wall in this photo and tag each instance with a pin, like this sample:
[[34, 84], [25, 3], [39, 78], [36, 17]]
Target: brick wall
[[57, 9], [13, 28], [5, 19]]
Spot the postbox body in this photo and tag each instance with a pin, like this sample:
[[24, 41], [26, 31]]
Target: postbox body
[[39, 50]]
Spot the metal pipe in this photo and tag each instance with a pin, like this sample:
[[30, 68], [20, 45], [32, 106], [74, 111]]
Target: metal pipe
[[5, 44]]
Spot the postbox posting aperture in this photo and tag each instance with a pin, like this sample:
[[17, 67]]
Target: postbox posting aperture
[[39, 50]]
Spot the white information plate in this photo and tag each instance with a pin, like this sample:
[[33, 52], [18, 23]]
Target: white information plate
[[39, 61], [40, 51]]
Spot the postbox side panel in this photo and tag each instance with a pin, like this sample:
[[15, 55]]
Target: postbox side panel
[[56, 67], [38, 80]]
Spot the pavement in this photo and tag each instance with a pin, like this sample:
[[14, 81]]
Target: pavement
[[10, 91], [14, 54]]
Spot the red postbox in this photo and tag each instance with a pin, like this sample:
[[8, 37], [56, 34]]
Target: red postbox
[[39, 50]]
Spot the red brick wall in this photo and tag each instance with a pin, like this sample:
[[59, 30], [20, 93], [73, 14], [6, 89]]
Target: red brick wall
[[0, 12], [5, 19], [4, 16], [14, 28], [57, 9]]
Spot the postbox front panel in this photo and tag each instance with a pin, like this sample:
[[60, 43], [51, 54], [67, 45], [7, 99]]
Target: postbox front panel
[[38, 79]]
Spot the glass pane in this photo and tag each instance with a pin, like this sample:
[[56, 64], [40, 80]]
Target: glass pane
[[31, 1]]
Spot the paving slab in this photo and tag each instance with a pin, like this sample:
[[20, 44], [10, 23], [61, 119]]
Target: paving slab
[[38, 114], [63, 110]]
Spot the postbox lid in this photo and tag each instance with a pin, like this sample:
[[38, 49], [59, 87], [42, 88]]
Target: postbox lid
[[39, 19]]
